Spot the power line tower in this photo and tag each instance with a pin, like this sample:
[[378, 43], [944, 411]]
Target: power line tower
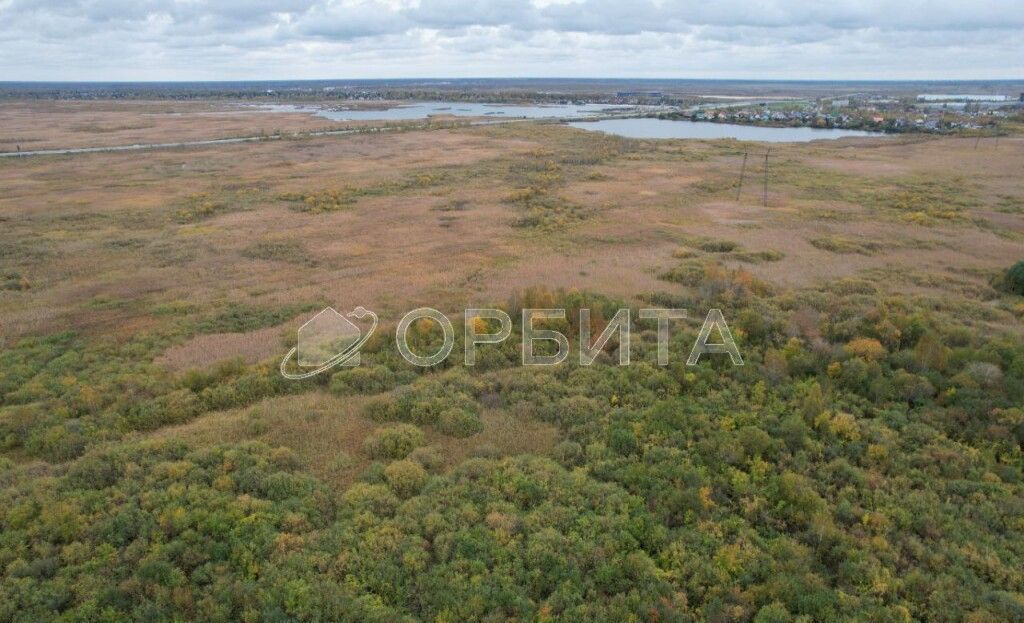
[[743, 170]]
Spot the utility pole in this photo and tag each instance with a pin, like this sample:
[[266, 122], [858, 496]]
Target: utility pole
[[766, 154], [743, 170]]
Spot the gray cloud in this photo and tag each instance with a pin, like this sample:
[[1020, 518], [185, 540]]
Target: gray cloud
[[186, 39]]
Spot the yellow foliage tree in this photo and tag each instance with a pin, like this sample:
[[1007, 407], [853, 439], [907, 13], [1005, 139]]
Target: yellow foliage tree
[[866, 348]]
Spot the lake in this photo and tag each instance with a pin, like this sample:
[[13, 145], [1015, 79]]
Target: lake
[[422, 110], [665, 128]]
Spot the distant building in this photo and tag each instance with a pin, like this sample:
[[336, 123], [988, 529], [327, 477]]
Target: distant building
[[935, 97], [639, 94]]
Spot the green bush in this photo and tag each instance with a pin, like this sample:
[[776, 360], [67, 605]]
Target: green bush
[[381, 409], [1013, 282], [717, 246], [427, 409], [374, 498], [568, 453], [574, 410], [459, 423], [429, 457], [394, 442], [405, 477], [363, 380]]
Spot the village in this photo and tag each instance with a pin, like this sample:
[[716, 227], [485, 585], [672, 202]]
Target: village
[[925, 113]]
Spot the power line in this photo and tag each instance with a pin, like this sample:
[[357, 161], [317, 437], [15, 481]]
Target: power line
[[743, 169]]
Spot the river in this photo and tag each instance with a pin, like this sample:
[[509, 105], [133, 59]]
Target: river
[[666, 128]]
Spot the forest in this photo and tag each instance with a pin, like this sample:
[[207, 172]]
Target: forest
[[865, 465]]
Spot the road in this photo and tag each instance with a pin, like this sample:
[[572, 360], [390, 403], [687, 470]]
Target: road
[[278, 137]]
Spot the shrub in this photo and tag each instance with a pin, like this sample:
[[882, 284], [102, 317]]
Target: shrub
[[755, 442], [394, 442], [459, 423], [428, 407], [284, 457], [912, 388], [844, 425], [92, 472], [774, 612], [406, 477], [688, 274], [341, 461], [623, 440], [200, 206], [984, 374], [315, 202], [867, 348], [362, 380], [429, 457], [931, 353], [241, 318], [574, 410], [1013, 282], [775, 367], [290, 251], [757, 257], [797, 501], [376, 499], [381, 409], [836, 244], [57, 443], [717, 246], [13, 281], [568, 453]]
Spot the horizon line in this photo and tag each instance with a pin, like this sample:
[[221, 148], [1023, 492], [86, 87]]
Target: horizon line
[[505, 78]]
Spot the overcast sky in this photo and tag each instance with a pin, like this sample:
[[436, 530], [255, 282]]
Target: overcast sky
[[283, 39]]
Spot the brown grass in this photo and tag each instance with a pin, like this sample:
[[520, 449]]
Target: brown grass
[[327, 433], [62, 124], [108, 227], [205, 350]]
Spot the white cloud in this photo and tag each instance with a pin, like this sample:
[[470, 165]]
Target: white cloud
[[240, 39]]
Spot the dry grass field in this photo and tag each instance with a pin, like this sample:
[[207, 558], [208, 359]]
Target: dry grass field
[[114, 245], [66, 124], [98, 241], [62, 124]]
